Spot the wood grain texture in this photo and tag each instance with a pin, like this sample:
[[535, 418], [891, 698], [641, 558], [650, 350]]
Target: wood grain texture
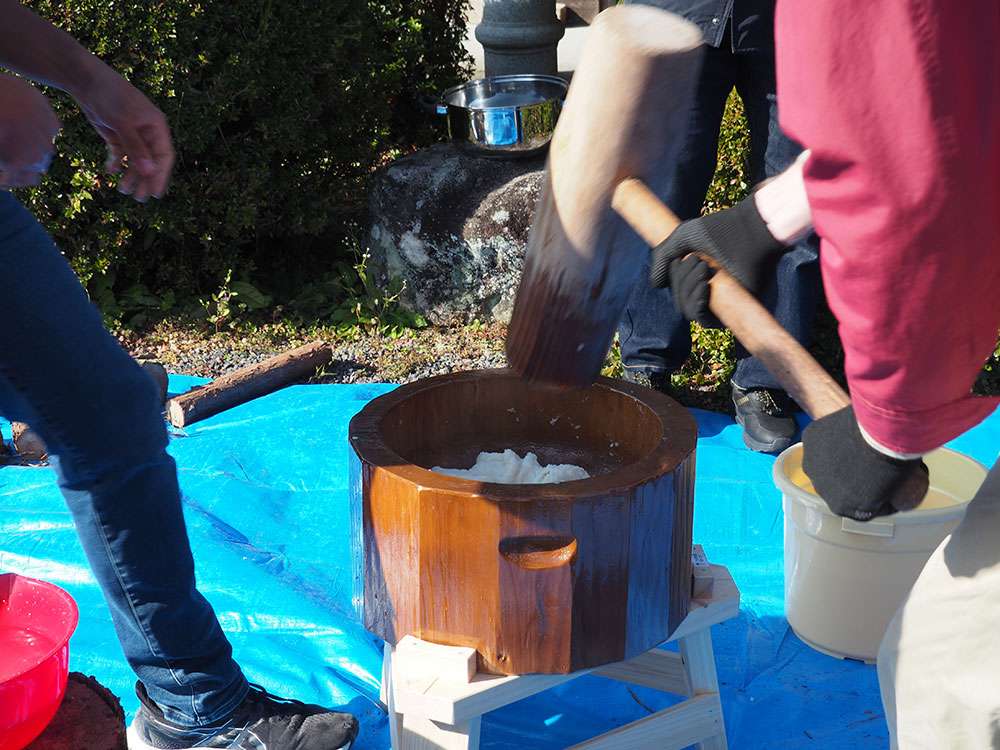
[[537, 578], [625, 115], [248, 383], [450, 663], [656, 669], [387, 696], [722, 604], [682, 533], [423, 693], [423, 734], [699, 662]]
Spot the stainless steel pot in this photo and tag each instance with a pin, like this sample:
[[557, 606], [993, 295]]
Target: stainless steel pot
[[504, 116]]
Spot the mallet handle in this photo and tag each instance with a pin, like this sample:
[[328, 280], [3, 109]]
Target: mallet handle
[[801, 375]]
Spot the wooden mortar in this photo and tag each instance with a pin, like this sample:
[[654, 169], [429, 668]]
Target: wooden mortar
[[537, 578]]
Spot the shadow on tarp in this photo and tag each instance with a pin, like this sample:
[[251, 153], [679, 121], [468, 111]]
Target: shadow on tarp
[[266, 502]]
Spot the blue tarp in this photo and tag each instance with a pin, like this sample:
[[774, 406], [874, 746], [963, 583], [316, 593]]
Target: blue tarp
[[265, 490]]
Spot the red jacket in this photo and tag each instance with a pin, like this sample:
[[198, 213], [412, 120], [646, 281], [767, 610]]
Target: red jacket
[[900, 104]]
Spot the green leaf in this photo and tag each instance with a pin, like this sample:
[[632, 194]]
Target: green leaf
[[251, 296]]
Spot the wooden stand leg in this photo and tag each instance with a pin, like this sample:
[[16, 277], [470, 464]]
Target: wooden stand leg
[[413, 732], [395, 719], [423, 734], [441, 700], [699, 661]]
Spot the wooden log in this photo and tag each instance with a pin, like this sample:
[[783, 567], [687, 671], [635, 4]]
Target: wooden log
[[248, 383], [90, 718]]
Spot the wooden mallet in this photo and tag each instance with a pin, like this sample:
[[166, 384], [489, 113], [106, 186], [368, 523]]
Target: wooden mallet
[[612, 151]]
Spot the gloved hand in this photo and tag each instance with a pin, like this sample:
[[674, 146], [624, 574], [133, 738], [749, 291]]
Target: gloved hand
[[736, 238], [853, 478]]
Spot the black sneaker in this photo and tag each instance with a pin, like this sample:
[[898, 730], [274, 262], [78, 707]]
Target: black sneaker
[[261, 722], [766, 417], [658, 380]]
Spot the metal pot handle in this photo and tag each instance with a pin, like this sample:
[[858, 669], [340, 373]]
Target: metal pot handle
[[432, 105]]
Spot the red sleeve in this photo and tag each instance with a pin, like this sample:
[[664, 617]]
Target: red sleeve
[[899, 103]]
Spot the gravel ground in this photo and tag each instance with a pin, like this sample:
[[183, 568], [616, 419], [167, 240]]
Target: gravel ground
[[368, 358], [365, 358]]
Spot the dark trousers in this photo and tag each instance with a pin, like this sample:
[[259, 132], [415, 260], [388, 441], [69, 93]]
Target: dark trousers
[[100, 417], [654, 336]]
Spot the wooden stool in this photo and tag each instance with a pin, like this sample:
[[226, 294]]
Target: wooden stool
[[436, 699]]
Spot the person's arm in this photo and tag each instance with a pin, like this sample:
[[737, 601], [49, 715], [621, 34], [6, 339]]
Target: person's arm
[[746, 240], [28, 127], [36, 49], [135, 131], [783, 204], [899, 105]]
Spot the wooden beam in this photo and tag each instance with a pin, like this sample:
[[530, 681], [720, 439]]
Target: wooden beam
[[699, 662], [656, 669], [449, 663], [423, 734], [670, 729], [723, 604]]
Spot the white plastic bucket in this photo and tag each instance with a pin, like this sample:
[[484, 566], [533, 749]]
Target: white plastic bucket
[[844, 580]]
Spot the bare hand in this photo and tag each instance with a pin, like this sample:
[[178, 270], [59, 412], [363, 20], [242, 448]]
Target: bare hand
[[135, 130], [28, 127]]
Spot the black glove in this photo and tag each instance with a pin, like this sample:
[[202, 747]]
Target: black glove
[[739, 241], [853, 478]]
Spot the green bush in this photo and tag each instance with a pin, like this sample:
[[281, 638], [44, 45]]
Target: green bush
[[280, 112], [730, 183]]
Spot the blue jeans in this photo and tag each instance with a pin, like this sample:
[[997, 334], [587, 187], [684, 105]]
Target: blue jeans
[[100, 417], [653, 334]]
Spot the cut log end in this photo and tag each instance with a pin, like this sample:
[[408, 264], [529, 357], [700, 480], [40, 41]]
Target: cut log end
[[175, 413]]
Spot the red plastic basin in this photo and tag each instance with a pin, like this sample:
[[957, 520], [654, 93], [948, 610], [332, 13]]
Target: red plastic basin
[[36, 622]]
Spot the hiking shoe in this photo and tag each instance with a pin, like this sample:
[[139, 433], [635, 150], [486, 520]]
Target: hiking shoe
[[261, 722], [766, 417], [658, 380]]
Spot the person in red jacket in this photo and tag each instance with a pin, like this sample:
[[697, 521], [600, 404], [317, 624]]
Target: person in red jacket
[[898, 106]]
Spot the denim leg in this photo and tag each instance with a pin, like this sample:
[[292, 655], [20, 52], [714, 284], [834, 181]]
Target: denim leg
[[99, 415], [653, 334], [792, 299]]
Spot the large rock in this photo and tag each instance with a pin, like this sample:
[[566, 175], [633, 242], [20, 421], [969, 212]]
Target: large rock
[[454, 228]]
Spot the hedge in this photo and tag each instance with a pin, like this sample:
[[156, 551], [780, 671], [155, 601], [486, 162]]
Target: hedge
[[281, 109]]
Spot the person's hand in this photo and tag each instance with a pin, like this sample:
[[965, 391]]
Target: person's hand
[[736, 238], [135, 130], [855, 479], [28, 127]]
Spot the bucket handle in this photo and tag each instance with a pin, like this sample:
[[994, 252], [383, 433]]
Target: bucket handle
[[885, 529]]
